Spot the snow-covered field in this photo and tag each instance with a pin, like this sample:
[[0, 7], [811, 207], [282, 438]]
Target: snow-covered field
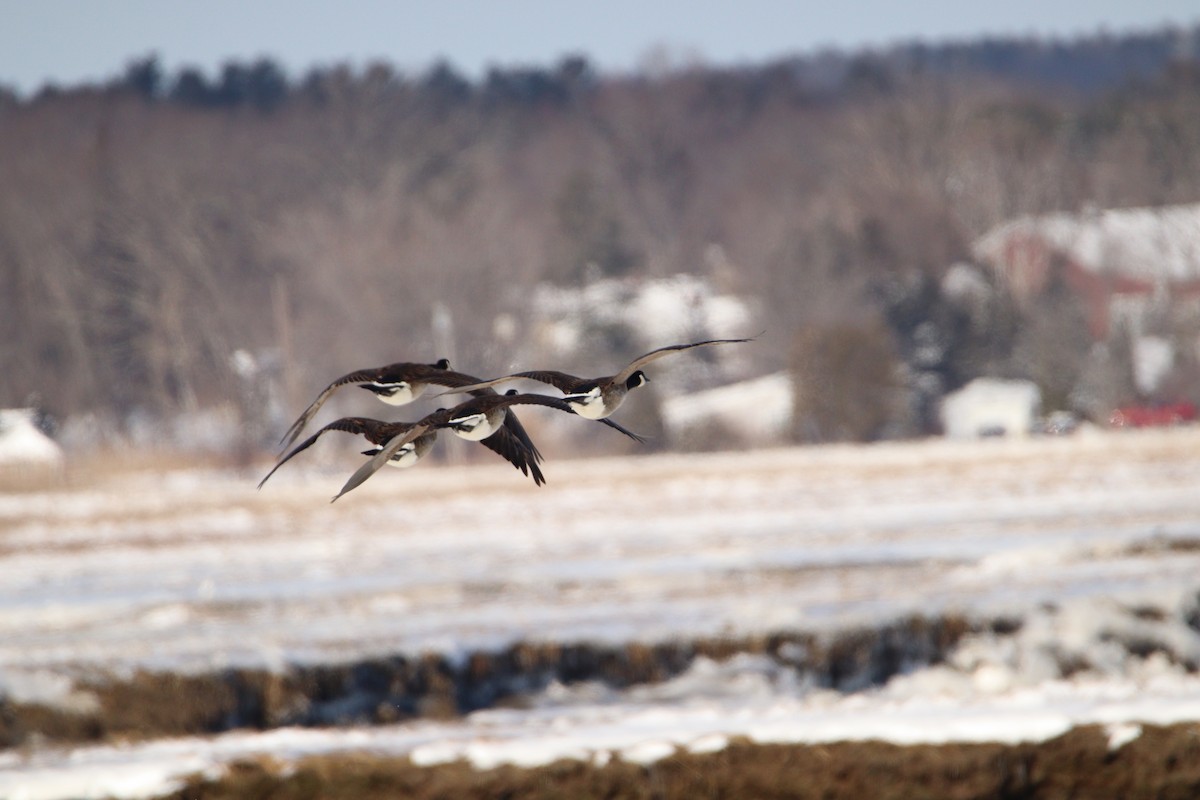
[[1092, 541]]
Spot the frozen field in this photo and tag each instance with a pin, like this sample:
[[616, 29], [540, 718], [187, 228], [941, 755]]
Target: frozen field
[[1091, 542]]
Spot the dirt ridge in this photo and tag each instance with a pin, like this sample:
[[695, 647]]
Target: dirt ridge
[[389, 689]]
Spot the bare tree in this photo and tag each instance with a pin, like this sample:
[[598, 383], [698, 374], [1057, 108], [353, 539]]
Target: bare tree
[[847, 381]]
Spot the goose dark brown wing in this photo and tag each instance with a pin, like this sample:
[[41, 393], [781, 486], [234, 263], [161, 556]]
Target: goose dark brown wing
[[376, 431], [468, 384], [530, 398], [654, 355], [509, 446], [389, 449], [617, 427], [399, 371], [518, 432], [559, 380], [455, 380], [410, 372]]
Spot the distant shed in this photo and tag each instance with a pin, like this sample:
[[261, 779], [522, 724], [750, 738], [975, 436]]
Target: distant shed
[[991, 407], [24, 448]]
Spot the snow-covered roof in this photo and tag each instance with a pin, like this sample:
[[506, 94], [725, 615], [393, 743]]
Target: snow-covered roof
[[572, 325], [658, 310], [22, 443], [990, 405], [1153, 244]]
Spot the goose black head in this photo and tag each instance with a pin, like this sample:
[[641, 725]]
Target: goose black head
[[636, 379], [443, 363]]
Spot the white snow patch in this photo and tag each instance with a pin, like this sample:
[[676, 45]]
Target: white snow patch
[[1153, 358], [48, 688], [1075, 538], [757, 411], [22, 443], [1121, 734], [636, 730]]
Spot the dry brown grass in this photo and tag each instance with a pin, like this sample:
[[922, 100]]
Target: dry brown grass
[[103, 465], [15, 479]]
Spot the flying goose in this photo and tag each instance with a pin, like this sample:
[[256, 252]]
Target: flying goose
[[401, 383], [477, 419], [380, 433], [594, 398], [394, 384]]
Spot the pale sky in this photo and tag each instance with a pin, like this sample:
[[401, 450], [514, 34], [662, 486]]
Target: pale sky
[[73, 41]]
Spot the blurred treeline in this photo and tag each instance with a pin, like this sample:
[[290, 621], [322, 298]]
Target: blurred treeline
[[154, 225]]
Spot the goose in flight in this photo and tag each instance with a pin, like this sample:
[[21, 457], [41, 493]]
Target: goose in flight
[[401, 383], [594, 398], [379, 433], [478, 419], [394, 384]]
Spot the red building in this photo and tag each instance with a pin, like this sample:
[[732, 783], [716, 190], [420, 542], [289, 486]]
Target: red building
[[1120, 262]]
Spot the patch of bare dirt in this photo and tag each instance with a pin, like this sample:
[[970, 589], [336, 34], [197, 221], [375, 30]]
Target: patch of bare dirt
[[1163, 763], [386, 690]]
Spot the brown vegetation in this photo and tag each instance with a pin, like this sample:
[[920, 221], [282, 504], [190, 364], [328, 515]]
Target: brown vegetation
[[1163, 763], [387, 689], [845, 377]]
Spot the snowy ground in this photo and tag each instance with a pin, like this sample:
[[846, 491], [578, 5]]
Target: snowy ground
[[195, 570]]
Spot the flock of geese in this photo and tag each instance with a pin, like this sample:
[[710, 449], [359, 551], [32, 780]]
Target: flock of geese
[[485, 418]]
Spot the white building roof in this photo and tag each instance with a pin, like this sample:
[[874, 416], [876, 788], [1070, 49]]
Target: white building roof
[[1152, 244], [987, 406]]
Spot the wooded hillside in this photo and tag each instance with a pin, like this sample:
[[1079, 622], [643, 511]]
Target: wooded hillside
[[151, 227]]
